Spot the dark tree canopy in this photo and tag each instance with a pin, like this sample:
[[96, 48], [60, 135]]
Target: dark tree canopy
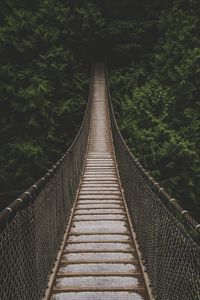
[[153, 50]]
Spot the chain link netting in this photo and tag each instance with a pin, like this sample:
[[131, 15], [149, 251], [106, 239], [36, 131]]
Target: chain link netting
[[167, 235], [32, 228]]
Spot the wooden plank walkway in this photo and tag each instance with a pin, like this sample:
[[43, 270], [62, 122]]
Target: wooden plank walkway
[[99, 260]]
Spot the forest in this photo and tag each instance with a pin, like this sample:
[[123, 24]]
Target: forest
[[153, 55]]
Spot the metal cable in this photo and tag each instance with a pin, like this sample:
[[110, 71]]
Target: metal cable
[[167, 235], [32, 227]]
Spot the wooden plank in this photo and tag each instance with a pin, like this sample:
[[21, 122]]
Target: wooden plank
[[101, 213], [99, 251], [119, 261], [99, 233], [81, 220], [96, 242], [98, 289], [96, 274]]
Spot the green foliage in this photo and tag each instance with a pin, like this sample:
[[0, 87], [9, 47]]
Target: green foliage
[[157, 102], [153, 48], [43, 90]]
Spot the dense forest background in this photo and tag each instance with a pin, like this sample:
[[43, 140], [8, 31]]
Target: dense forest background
[[153, 52]]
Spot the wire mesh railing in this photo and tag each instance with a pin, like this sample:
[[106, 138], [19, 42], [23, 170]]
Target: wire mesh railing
[[32, 227], [169, 238]]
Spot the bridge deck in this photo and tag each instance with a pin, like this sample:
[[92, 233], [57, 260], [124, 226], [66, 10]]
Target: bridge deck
[[99, 260]]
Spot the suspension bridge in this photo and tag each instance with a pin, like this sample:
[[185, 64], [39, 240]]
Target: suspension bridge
[[97, 225]]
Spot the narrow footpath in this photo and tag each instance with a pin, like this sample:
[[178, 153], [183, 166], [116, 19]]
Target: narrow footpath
[[100, 261]]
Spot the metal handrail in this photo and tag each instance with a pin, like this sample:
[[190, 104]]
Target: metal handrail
[[32, 227], [8, 213], [169, 201], [167, 236]]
